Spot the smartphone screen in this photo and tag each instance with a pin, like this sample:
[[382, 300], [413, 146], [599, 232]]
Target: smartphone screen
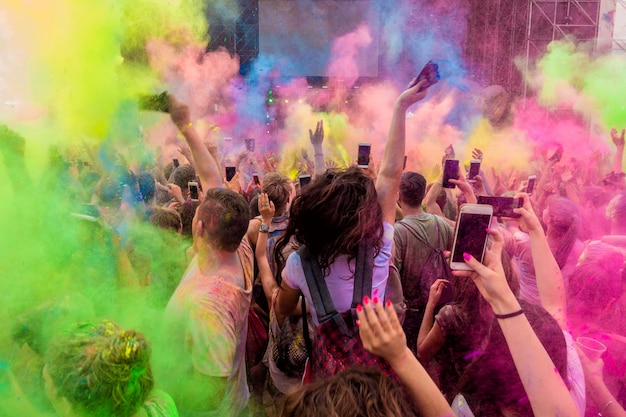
[[193, 190], [404, 163], [502, 206], [250, 144], [450, 172], [471, 236], [530, 187], [304, 180], [363, 158], [230, 173], [175, 162], [473, 171], [255, 177]]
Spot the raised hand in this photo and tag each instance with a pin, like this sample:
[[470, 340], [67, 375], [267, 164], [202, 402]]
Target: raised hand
[[618, 140], [528, 222], [436, 290], [477, 154], [380, 330], [318, 137], [266, 207], [179, 112]]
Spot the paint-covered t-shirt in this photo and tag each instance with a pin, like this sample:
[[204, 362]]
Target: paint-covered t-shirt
[[340, 279], [212, 315]]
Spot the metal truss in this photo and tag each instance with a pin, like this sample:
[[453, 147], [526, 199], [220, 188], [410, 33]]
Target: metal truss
[[619, 45]]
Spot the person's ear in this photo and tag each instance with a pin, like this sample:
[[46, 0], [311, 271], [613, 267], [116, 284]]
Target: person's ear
[[199, 228]]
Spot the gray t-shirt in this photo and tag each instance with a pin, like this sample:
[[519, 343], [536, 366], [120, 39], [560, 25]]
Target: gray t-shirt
[[411, 254]]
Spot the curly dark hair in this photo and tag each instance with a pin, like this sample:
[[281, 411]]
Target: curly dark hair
[[332, 216], [101, 369], [355, 392]]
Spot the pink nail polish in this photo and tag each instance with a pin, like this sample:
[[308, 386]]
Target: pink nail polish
[[359, 308], [375, 293], [467, 256], [388, 303], [366, 300], [358, 323], [376, 300]]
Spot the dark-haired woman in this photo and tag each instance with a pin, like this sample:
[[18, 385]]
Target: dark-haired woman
[[337, 212]]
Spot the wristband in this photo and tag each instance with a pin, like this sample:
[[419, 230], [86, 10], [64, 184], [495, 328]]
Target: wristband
[[605, 407], [508, 316]]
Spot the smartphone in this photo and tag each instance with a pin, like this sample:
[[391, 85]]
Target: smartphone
[[470, 234], [404, 163], [175, 162], [430, 73], [363, 157], [250, 144], [474, 170], [530, 185], [502, 206], [304, 180], [256, 179], [193, 190], [450, 172], [154, 102], [558, 154], [230, 172]]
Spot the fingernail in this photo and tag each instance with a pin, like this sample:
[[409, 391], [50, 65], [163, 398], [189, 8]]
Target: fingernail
[[358, 323], [366, 300], [388, 303], [467, 256], [375, 293], [376, 300], [359, 308]]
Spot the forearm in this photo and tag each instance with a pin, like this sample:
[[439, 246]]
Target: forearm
[[265, 273], [545, 388], [430, 199], [549, 278], [423, 391], [427, 323], [617, 159], [320, 164], [206, 166], [603, 399], [390, 171]]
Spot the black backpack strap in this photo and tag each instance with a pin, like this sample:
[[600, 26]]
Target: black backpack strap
[[364, 269], [323, 303], [305, 328]]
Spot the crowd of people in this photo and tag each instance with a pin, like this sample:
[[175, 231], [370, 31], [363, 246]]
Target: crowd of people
[[272, 297]]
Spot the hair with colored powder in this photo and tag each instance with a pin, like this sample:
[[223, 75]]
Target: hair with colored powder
[[332, 216], [101, 369], [563, 223], [225, 217], [278, 189], [166, 218], [355, 392]]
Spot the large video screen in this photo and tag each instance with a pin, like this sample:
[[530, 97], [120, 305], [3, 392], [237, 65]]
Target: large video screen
[[332, 38]]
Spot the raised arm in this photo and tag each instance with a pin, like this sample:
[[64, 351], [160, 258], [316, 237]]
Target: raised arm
[[549, 278], [206, 166], [266, 208], [618, 140], [382, 335], [547, 393], [317, 139], [390, 171]]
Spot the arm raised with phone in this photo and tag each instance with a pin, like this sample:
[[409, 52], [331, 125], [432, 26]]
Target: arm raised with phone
[[547, 393], [390, 172]]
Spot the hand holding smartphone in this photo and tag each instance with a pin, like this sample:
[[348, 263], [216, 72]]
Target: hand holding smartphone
[[474, 170], [363, 157], [470, 234], [193, 190], [450, 172], [530, 185], [502, 206]]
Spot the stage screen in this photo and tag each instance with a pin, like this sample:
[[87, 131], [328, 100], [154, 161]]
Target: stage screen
[[337, 38]]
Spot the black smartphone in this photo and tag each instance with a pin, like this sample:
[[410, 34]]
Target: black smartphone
[[470, 235], [474, 170], [363, 156], [193, 190], [430, 73], [450, 172], [154, 102], [230, 172], [404, 163], [502, 206], [250, 144], [175, 162], [558, 154], [530, 185], [256, 179], [304, 180]]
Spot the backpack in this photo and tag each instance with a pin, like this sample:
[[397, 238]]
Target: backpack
[[434, 268], [336, 345]]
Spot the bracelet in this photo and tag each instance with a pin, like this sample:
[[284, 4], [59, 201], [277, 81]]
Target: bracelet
[[508, 316], [605, 407]]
